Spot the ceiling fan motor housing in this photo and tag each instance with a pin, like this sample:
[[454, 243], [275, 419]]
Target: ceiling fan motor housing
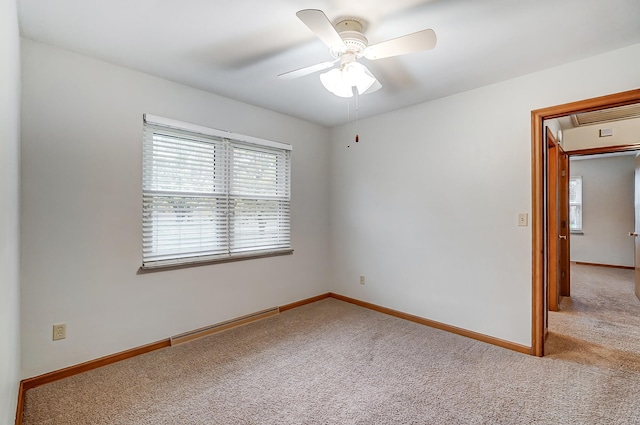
[[350, 31]]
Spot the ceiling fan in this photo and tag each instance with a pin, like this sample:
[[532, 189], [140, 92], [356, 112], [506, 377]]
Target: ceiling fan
[[347, 44]]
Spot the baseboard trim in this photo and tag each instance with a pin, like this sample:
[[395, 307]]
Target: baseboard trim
[[36, 381], [438, 325], [20, 406], [240, 321], [56, 375], [223, 326], [303, 302], [612, 266]]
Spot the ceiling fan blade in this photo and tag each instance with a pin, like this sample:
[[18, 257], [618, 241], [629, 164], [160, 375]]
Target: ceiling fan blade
[[301, 72], [321, 26], [421, 40]]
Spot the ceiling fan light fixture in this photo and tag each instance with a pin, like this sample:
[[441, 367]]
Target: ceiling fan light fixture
[[340, 81], [334, 82]]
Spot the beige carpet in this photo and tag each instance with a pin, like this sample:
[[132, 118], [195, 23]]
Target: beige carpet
[[600, 323], [335, 363]]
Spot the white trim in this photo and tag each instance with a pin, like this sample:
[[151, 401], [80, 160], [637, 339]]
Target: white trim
[[168, 122]]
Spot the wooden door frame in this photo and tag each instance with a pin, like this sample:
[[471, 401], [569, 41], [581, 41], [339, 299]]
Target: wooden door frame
[[538, 210], [557, 236], [563, 203], [553, 245]]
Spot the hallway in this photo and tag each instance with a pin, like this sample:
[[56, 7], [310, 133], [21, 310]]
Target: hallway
[[600, 323]]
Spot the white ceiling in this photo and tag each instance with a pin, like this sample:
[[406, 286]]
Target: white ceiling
[[237, 48]]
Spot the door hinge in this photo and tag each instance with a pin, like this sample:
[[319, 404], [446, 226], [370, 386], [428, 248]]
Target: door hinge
[[563, 224]]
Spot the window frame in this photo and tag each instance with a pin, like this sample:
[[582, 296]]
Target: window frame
[[226, 143]]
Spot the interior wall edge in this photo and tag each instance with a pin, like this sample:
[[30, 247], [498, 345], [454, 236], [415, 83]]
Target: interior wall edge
[[10, 220]]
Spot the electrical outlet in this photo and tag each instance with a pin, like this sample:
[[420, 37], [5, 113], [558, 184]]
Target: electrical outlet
[[361, 279], [59, 331]]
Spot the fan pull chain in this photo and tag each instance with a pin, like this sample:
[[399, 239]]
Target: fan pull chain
[[348, 118], [357, 115]]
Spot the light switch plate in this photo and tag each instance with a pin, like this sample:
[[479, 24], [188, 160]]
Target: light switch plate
[[523, 219]]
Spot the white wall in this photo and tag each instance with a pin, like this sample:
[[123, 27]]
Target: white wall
[[625, 132], [81, 232], [555, 128], [607, 211], [425, 205], [9, 210]]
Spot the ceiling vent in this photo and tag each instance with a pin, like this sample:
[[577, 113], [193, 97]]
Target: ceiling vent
[[607, 115]]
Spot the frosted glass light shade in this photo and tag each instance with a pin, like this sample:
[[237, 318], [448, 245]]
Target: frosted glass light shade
[[340, 81], [334, 82]]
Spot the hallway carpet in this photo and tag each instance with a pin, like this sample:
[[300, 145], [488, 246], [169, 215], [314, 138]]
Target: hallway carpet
[[600, 323]]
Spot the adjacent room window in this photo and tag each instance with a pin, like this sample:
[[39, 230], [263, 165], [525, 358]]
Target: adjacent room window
[[575, 204], [211, 195]]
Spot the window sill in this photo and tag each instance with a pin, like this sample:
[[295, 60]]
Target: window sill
[[162, 267], [576, 232]]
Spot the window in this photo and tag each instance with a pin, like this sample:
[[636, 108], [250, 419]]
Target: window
[[211, 195], [575, 204]]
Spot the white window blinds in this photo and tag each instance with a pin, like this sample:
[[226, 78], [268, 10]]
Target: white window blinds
[[259, 193], [209, 197]]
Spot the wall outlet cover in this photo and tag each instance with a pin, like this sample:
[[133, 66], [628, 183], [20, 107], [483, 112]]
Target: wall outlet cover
[[59, 331]]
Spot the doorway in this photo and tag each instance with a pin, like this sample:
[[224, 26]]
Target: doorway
[[540, 208], [603, 192]]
